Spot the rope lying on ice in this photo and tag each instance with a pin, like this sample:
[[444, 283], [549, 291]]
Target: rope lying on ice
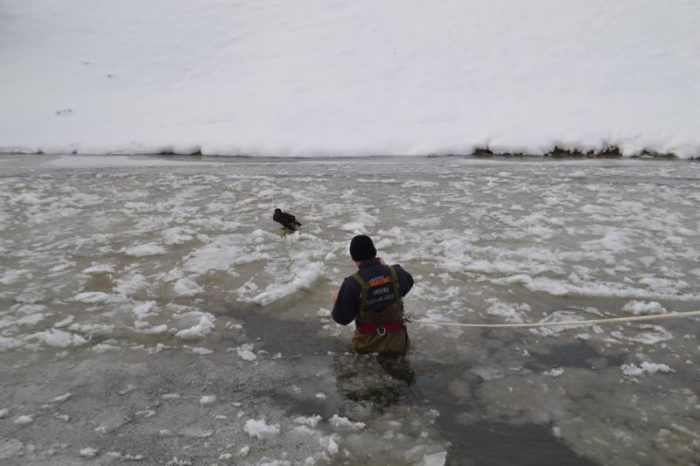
[[608, 320]]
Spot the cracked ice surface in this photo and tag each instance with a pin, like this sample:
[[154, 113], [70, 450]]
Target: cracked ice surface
[[152, 312]]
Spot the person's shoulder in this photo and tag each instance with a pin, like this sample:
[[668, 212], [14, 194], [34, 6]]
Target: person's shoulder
[[400, 270], [349, 285], [350, 280]]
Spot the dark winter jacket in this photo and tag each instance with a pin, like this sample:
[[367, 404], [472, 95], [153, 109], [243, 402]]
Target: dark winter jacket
[[347, 305]]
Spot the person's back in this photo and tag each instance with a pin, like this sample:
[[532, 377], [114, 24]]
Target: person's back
[[372, 297]]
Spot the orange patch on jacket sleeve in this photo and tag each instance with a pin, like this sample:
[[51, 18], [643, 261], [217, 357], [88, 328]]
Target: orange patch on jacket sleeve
[[379, 281]]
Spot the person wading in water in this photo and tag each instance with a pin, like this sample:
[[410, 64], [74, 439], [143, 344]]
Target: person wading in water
[[372, 298]]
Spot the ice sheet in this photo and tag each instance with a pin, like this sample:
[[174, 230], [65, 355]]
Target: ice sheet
[[170, 355]]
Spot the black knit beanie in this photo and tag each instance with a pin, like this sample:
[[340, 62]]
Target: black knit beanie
[[362, 248]]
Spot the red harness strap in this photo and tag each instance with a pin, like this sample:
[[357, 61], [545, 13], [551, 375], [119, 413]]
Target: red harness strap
[[381, 329]]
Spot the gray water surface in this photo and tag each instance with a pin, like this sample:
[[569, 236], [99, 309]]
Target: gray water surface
[[152, 312]]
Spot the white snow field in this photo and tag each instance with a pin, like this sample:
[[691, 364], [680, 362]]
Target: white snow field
[[151, 312], [337, 78]]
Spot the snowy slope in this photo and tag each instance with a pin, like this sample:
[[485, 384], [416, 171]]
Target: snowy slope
[[324, 78]]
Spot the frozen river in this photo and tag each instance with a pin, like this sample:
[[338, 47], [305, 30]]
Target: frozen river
[[151, 312]]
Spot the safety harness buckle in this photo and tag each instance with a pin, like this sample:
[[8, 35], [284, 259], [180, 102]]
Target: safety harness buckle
[[381, 331]]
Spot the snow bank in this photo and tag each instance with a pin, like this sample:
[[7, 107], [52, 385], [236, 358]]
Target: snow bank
[[353, 78]]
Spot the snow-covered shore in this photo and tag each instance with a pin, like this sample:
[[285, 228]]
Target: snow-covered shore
[[317, 78]]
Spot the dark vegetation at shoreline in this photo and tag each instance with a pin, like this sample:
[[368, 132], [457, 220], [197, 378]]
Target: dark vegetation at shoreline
[[612, 152]]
